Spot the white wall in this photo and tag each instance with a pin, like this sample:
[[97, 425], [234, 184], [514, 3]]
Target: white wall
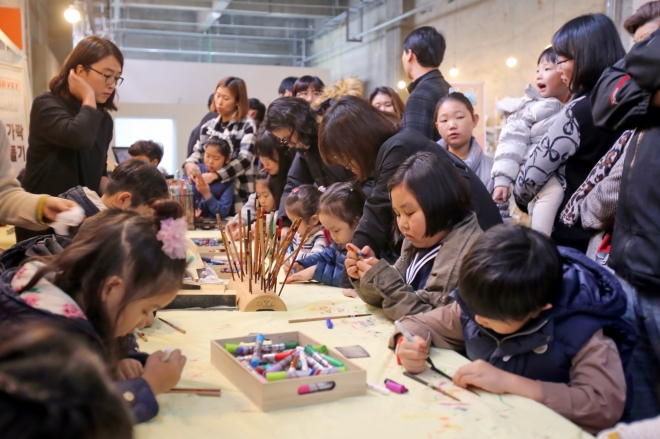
[[180, 90], [487, 33]]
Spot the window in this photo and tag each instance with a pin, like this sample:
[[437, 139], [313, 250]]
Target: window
[[129, 130]]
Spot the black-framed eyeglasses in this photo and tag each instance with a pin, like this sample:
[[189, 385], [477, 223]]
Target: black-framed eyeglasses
[[562, 62], [284, 141], [109, 79]]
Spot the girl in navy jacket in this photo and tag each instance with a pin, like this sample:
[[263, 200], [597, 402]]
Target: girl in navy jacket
[[340, 210], [120, 267]]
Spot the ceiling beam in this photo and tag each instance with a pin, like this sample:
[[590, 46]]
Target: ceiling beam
[[201, 35], [226, 11], [205, 52], [214, 25]]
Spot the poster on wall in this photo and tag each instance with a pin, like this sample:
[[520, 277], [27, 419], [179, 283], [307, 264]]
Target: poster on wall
[[13, 112], [476, 93], [14, 101]]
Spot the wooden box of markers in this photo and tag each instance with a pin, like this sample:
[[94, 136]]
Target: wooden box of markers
[[283, 394]]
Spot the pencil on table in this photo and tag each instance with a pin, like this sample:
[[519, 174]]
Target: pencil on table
[[200, 392], [140, 334], [181, 330]]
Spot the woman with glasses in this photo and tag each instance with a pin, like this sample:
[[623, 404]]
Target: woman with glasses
[[293, 122], [585, 47], [70, 126]]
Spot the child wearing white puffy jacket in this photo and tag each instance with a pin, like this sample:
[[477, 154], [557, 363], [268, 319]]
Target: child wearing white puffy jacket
[[528, 120]]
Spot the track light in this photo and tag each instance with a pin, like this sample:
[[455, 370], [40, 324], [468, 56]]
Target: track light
[[72, 14]]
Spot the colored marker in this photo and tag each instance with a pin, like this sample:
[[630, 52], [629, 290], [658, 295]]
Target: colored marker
[[395, 387], [333, 361], [355, 250], [404, 331], [315, 365], [280, 365], [304, 365], [253, 372], [278, 376], [309, 350], [377, 388], [166, 357], [256, 355], [294, 363], [317, 387], [268, 348], [328, 323], [271, 358]]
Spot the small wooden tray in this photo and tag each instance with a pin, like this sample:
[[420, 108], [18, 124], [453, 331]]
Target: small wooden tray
[[284, 394]]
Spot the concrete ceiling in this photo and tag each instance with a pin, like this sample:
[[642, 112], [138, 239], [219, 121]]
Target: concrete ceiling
[[277, 32]]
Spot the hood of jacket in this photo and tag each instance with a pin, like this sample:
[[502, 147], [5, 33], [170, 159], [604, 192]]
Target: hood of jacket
[[44, 245], [82, 197]]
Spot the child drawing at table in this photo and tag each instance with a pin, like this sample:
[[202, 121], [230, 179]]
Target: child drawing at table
[[303, 202], [120, 267], [263, 197], [216, 197], [431, 201], [52, 386], [537, 321], [340, 210]]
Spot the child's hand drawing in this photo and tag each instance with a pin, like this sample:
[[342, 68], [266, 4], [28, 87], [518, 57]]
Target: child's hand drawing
[[301, 275], [488, 377], [163, 375], [413, 354]]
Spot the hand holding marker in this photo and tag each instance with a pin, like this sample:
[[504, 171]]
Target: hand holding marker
[[410, 338]]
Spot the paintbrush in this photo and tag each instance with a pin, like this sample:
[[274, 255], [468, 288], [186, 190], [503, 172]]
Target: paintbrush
[[200, 392], [295, 255], [181, 330], [436, 388], [438, 371]]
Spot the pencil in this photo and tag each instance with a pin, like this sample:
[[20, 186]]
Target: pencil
[[436, 388], [314, 319], [200, 392], [141, 334], [181, 330]]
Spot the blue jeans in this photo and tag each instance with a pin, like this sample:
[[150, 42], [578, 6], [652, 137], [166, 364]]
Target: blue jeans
[[643, 313]]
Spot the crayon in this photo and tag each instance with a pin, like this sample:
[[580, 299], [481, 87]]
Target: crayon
[[333, 361], [256, 354], [277, 376], [317, 387], [309, 350]]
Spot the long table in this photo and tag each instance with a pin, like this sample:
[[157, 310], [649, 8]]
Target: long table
[[421, 412]]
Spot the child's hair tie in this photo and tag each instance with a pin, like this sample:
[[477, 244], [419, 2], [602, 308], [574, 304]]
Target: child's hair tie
[[294, 190], [322, 189], [172, 234]]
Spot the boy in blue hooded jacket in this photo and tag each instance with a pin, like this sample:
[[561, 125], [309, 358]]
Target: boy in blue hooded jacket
[[537, 321]]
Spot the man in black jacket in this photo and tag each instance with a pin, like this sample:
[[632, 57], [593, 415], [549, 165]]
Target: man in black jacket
[[423, 51], [628, 96]]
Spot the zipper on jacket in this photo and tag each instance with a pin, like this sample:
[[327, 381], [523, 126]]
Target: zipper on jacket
[[517, 334], [632, 165]]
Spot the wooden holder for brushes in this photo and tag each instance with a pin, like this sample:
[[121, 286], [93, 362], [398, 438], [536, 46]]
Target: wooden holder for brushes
[[258, 300]]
